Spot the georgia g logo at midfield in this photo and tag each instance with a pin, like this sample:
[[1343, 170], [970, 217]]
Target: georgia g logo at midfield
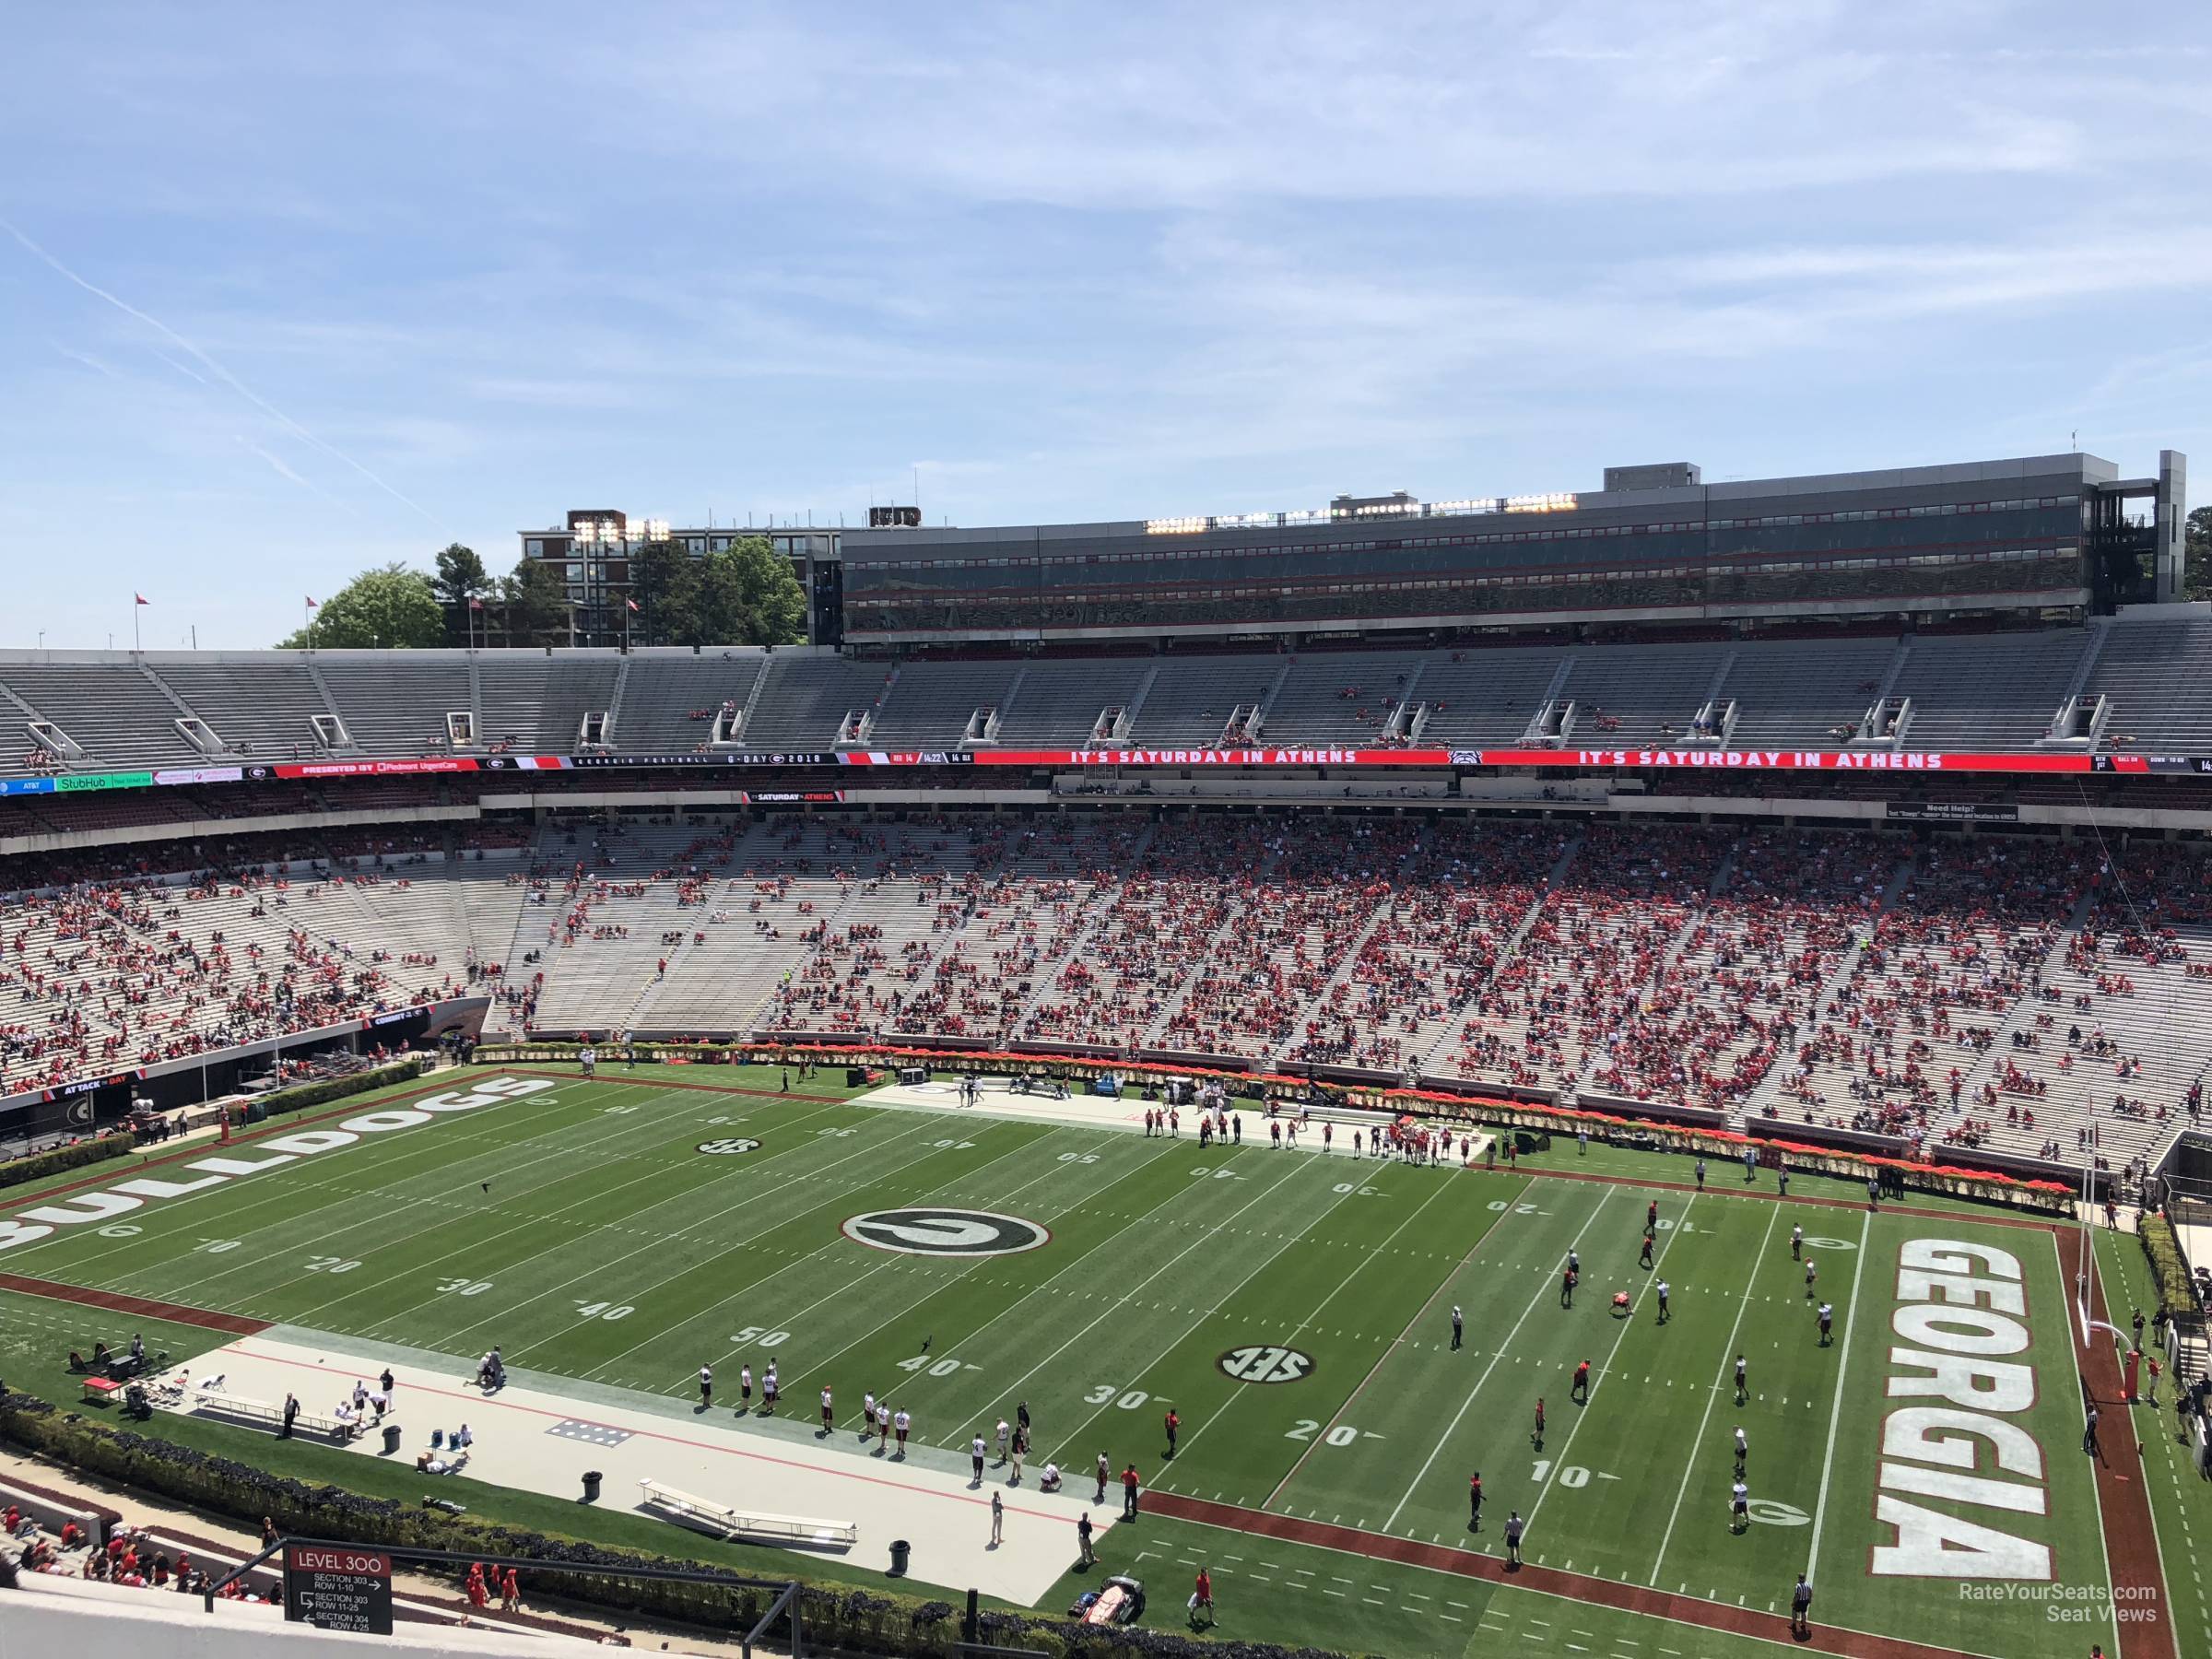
[[945, 1232]]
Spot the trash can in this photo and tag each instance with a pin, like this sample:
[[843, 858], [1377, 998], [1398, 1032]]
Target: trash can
[[591, 1486], [900, 1551], [390, 1438]]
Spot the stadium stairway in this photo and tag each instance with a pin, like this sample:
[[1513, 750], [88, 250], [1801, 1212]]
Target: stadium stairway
[[1768, 1091], [1212, 957], [1090, 914], [1448, 1030], [1277, 1056], [1660, 969]]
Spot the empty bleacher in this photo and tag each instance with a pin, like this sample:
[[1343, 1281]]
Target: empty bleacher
[[2158, 676], [266, 711], [1341, 696], [806, 697], [1192, 697], [397, 713], [1058, 703], [1990, 691], [107, 707], [1996, 691], [1647, 694], [536, 704], [1485, 696], [931, 704], [669, 700], [1803, 693]]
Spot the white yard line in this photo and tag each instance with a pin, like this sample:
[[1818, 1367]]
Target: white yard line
[[1697, 1445], [1010, 1309], [753, 1286], [1034, 1291], [1360, 1271], [1273, 1257], [950, 1279], [473, 1249], [1396, 1343], [1612, 1354], [1444, 1440], [1835, 1410], [661, 1242], [1114, 1306], [391, 1151]]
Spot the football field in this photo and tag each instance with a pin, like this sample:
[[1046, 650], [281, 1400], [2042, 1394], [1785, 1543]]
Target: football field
[[1294, 1309]]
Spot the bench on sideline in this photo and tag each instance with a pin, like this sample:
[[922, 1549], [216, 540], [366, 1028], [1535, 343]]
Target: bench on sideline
[[728, 1523], [221, 1402]]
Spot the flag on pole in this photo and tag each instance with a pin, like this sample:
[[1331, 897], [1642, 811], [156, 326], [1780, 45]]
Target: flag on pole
[[475, 605], [141, 598], [310, 600], [632, 603]]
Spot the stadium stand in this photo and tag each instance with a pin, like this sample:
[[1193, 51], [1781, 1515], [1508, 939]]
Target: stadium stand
[[1806, 693], [2013, 992], [1058, 703], [665, 704], [388, 713], [1484, 696], [268, 712], [1343, 697], [934, 708], [1986, 692], [112, 709], [536, 704], [1997, 692], [2155, 674]]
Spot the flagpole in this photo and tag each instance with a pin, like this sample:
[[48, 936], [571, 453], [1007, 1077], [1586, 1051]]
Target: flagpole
[[135, 606]]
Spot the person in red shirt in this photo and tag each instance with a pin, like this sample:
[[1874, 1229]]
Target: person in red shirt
[[1580, 1392], [1202, 1598], [511, 1592], [1475, 1491], [1129, 1493], [478, 1596], [1537, 1439], [1175, 1423]]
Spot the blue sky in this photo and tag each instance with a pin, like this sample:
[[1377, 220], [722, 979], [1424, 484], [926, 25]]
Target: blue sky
[[295, 290]]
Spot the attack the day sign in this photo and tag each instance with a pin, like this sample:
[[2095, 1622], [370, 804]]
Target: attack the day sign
[[337, 1587]]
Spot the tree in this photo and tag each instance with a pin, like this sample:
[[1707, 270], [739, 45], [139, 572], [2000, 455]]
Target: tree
[[462, 582], [461, 576], [533, 604], [662, 581], [2197, 557], [741, 594], [390, 606]]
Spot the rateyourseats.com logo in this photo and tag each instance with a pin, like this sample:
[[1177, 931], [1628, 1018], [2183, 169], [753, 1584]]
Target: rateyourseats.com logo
[[945, 1232]]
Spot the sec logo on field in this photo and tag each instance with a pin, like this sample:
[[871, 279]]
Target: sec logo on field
[[945, 1232], [723, 1149], [1267, 1365]]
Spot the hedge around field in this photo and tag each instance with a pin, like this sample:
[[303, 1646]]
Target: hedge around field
[[2169, 1270], [836, 1616], [40, 1165], [302, 1095]]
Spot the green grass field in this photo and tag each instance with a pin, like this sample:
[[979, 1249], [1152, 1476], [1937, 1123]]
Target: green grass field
[[1294, 1309]]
